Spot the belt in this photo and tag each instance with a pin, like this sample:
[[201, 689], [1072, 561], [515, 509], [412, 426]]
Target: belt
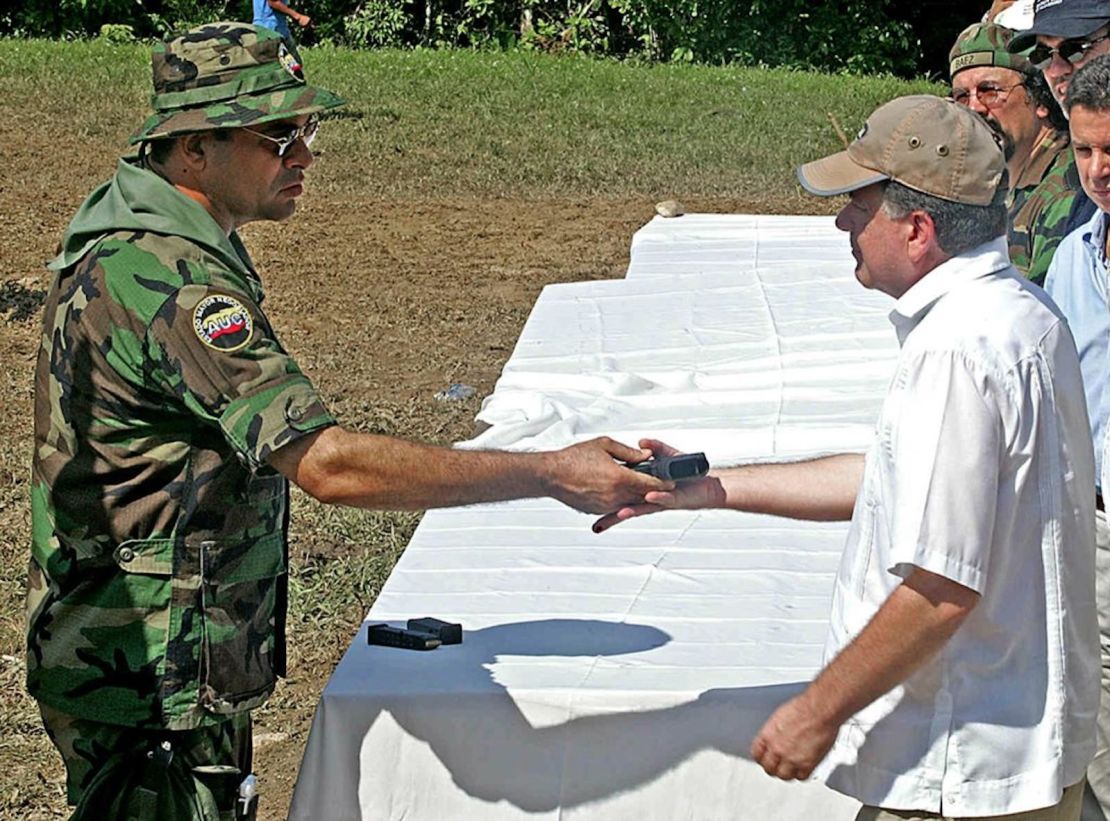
[[1098, 502]]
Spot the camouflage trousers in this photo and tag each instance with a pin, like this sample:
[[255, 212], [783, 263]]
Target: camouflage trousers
[[125, 773]]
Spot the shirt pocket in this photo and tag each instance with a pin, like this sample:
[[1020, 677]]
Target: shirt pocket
[[148, 585], [238, 589]]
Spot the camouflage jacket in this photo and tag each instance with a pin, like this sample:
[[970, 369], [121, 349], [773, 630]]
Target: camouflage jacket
[[1039, 205], [157, 585]]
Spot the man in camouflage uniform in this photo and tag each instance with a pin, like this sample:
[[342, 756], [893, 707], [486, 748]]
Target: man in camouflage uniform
[[1010, 93], [168, 421]]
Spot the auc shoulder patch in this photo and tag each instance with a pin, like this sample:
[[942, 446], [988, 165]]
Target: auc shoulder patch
[[222, 322]]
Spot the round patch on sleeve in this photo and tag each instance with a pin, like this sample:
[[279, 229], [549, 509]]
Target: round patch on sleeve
[[222, 322]]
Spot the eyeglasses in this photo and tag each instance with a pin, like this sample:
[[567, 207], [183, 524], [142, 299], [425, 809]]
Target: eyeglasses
[[989, 94], [306, 132], [1070, 50]]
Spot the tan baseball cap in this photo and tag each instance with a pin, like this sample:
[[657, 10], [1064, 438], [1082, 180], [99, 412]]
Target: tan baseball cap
[[926, 143]]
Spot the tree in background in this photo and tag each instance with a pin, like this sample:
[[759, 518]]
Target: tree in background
[[866, 36], [86, 18]]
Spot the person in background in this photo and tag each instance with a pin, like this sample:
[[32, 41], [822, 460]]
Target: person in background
[[995, 9], [1077, 282], [1006, 89], [274, 14], [1017, 16], [1065, 35]]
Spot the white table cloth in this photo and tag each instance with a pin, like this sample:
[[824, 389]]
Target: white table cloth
[[623, 675]]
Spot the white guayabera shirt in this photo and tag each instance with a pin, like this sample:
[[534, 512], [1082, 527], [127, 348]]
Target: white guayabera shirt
[[981, 471]]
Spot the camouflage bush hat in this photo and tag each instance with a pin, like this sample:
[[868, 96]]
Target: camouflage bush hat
[[226, 75], [926, 143], [985, 44]]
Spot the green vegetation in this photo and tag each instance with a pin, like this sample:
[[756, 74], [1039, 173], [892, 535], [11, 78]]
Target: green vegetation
[[863, 36], [520, 123], [526, 122]]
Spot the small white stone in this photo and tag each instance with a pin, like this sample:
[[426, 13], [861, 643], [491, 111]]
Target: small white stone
[[669, 208], [262, 739]]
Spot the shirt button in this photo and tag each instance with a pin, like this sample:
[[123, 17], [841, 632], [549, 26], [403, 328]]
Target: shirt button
[[126, 554], [295, 414]]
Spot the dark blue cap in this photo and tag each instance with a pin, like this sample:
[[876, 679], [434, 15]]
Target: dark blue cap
[[1063, 18]]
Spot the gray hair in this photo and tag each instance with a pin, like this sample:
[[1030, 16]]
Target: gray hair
[[960, 227], [1090, 87]]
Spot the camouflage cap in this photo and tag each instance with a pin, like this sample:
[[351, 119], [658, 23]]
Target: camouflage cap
[[985, 44], [226, 75]]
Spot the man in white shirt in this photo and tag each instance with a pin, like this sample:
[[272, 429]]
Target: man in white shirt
[[961, 675]]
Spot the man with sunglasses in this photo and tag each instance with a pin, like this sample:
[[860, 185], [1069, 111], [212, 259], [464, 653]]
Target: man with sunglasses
[[169, 420], [1012, 95], [1065, 35]]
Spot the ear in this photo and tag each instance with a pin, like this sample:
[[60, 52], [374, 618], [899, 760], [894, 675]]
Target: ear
[[921, 236], [1042, 112], [193, 149]]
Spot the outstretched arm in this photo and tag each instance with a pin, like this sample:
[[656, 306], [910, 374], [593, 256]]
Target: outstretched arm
[[821, 489], [817, 489], [912, 625], [303, 20], [365, 470]]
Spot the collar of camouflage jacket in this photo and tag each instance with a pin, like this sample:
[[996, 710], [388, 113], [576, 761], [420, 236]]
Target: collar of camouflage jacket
[[1041, 158], [136, 199]]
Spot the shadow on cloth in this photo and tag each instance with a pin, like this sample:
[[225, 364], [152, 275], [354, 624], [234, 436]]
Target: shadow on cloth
[[572, 748]]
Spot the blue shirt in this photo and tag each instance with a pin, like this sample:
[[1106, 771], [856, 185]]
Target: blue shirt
[[268, 18], [1076, 281]]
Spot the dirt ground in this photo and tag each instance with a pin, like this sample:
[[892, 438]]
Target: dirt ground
[[393, 302], [387, 303], [382, 302]]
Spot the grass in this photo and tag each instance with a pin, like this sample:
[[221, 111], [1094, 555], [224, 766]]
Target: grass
[[427, 130], [532, 124], [429, 123]]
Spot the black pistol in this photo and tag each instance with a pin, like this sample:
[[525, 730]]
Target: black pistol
[[674, 468]]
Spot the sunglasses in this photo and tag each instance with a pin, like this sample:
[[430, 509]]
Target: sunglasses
[[1070, 50], [306, 132], [989, 94]]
